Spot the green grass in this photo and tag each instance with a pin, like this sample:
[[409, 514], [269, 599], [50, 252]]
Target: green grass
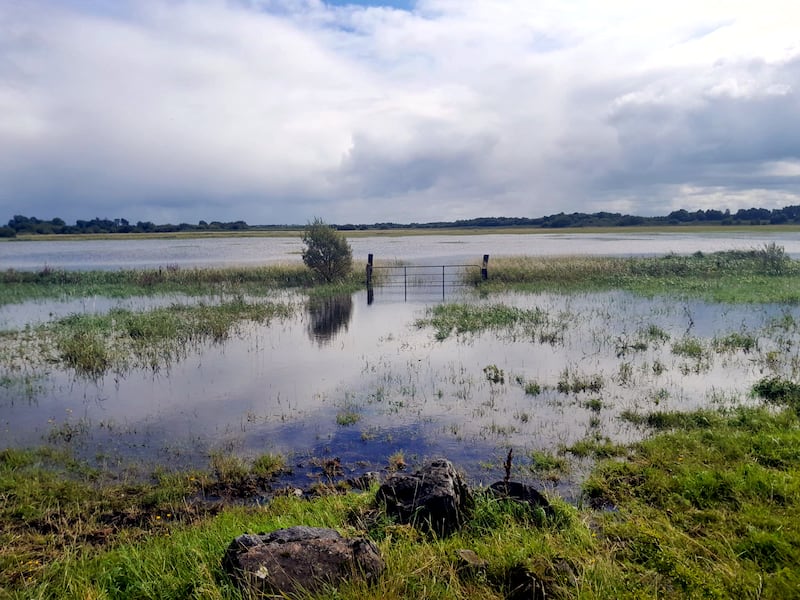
[[709, 509], [740, 276], [689, 347], [347, 417], [459, 318], [778, 391], [18, 286], [92, 345]]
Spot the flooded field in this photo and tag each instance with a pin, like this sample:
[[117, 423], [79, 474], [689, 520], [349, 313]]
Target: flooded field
[[343, 378]]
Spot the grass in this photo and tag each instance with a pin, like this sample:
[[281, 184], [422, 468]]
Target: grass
[[709, 509], [91, 345], [778, 391], [689, 347], [347, 417], [460, 318], [18, 286], [738, 276], [709, 506], [547, 466]]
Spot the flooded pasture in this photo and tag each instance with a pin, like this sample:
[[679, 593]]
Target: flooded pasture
[[363, 380]]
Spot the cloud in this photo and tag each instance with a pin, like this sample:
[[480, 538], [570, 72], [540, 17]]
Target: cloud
[[274, 111]]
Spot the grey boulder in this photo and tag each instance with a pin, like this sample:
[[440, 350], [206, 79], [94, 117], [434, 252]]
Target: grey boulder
[[435, 498], [299, 560]]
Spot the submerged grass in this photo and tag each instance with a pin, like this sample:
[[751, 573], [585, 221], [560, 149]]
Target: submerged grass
[[91, 344], [738, 276], [460, 318]]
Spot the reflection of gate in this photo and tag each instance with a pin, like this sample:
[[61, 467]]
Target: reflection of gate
[[407, 279]]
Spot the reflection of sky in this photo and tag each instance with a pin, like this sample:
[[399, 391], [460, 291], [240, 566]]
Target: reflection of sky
[[275, 388], [434, 249]]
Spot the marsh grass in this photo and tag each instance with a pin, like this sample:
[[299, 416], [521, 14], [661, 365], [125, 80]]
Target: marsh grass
[[777, 390], [460, 318], [571, 381], [92, 345], [689, 347], [548, 466], [737, 276], [735, 341], [17, 286]]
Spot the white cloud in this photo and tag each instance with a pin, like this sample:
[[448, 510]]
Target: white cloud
[[278, 110]]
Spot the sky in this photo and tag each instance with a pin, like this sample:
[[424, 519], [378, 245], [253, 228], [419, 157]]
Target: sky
[[280, 111]]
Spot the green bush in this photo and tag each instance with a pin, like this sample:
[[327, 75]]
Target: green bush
[[326, 251]]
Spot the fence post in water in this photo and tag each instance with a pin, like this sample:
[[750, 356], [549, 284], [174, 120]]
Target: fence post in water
[[370, 292], [405, 283], [442, 283], [485, 268]]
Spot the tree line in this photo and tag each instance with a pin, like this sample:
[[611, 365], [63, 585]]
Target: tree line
[[22, 225]]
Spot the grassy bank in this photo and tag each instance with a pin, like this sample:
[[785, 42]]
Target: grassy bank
[[760, 275], [710, 507]]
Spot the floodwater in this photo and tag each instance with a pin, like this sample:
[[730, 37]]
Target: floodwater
[[360, 381], [152, 253], [355, 378]]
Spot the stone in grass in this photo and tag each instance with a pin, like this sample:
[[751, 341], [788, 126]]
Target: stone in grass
[[435, 498], [299, 560], [522, 493]]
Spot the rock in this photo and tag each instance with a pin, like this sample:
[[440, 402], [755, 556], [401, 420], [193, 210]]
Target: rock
[[365, 481], [523, 493], [299, 560], [468, 560], [435, 498], [522, 584]]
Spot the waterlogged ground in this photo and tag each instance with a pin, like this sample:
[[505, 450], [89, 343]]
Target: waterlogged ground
[[361, 382]]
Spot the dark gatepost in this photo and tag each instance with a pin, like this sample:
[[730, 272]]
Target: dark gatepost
[[485, 268], [370, 292]]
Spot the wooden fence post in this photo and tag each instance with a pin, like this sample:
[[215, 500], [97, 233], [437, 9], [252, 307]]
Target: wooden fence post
[[369, 270], [485, 268]]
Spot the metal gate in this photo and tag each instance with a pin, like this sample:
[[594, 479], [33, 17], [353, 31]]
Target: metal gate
[[421, 280]]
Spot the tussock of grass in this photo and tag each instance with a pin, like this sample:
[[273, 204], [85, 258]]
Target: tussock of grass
[[779, 391], [457, 318]]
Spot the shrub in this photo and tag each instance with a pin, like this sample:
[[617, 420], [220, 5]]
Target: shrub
[[326, 251]]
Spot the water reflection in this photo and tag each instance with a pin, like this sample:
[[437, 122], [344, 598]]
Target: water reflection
[[285, 387], [328, 316]]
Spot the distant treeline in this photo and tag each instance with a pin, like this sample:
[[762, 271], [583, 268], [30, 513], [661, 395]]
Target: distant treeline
[[750, 216]]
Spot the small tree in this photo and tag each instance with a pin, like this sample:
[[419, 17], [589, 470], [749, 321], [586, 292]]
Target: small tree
[[327, 251]]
